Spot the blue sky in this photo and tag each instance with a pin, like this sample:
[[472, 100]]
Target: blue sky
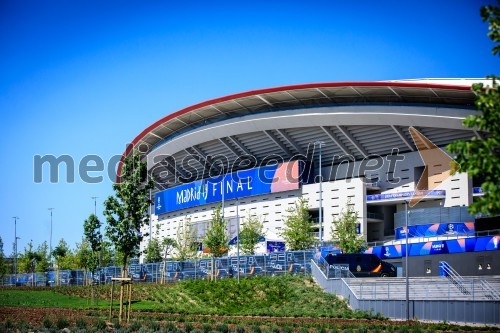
[[85, 77]]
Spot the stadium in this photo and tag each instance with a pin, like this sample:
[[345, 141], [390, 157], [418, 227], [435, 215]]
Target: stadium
[[365, 139]]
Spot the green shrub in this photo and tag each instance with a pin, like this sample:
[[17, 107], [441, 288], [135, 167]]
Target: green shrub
[[286, 329], [256, 329], [276, 329], [154, 325], [100, 325], [8, 324], [81, 323], [303, 330], [222, 328], [62, 323], [46, 323], [240, 329], [188, 327], [135, 326], [206, 328]]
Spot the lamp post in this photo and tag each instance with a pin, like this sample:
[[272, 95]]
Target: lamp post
[[238, 236], [95, 214], [50, 253], [320, 143], [15, 244], [406, 264]]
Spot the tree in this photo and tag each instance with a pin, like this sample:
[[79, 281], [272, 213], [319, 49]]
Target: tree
[[250, 234], [167, 246], [153, 251], [217, 237], [93, 245], [298, 234], [126, 212], [344, 231], [479, 157], [59, 252], [186, 244], [3, 262]]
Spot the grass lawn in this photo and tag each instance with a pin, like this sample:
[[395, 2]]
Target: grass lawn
[[53, 299], [284, 296]]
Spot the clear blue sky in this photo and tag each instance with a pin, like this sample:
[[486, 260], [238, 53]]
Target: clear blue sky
[[85, 77]]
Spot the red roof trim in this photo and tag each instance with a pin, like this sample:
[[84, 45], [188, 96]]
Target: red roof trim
[[282, 88]]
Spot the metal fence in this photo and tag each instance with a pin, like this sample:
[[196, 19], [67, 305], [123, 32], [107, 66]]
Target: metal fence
[[276, 263]]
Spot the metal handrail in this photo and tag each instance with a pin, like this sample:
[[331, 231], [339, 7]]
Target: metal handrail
[[454, 277]]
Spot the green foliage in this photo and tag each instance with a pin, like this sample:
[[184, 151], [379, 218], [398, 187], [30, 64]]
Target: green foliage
[[126, 212], [298, 234], [153, 251], [92, 243], [217, 237], [250, 234], [92, 232], [100, 324], [491, 14], [479, 157], [62, 323], [29, 260], [81, 323], [3, 262], [186, 241], [65, 258], [47, 323], [167, 245], [344, 231], [87, 258]]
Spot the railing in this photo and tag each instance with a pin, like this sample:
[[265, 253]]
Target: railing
[[276, 263], [376, 216], [433, 215], [453, 277], [491, 292]]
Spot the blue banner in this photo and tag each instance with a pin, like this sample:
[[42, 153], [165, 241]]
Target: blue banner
[[274, 246], [436, 229], [240, 184], [400, 195], [461, 245]]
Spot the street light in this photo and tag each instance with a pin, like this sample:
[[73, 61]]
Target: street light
[[50, 253], [320, 143], [15, 243], [95, 214], [406, 264], [238, 237]]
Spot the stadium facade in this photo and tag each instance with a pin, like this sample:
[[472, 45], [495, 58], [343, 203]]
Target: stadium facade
[[256, 153]]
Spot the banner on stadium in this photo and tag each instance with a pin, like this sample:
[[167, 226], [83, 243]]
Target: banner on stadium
[[437, 229], [236, 185], [410, 194], [462, 245]]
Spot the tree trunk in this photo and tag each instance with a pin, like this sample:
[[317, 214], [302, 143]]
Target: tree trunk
[[121, 296]]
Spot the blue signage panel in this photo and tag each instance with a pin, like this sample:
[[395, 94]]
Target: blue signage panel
[[399, 195], [461, 245], [436, 229], [240, 184]]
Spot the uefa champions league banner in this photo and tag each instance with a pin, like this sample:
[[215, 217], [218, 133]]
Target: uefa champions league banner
[[437, 229], [236, 185], [462, 245]]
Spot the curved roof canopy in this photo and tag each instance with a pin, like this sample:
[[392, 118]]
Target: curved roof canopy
[[345, 136]]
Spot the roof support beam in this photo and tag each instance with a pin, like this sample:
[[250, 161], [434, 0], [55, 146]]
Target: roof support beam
[[291, 142], [355, 143], [336, 140], [278, 143], [228, 146], [403, 137], [239, 145], [208, 159], [264, 100]]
